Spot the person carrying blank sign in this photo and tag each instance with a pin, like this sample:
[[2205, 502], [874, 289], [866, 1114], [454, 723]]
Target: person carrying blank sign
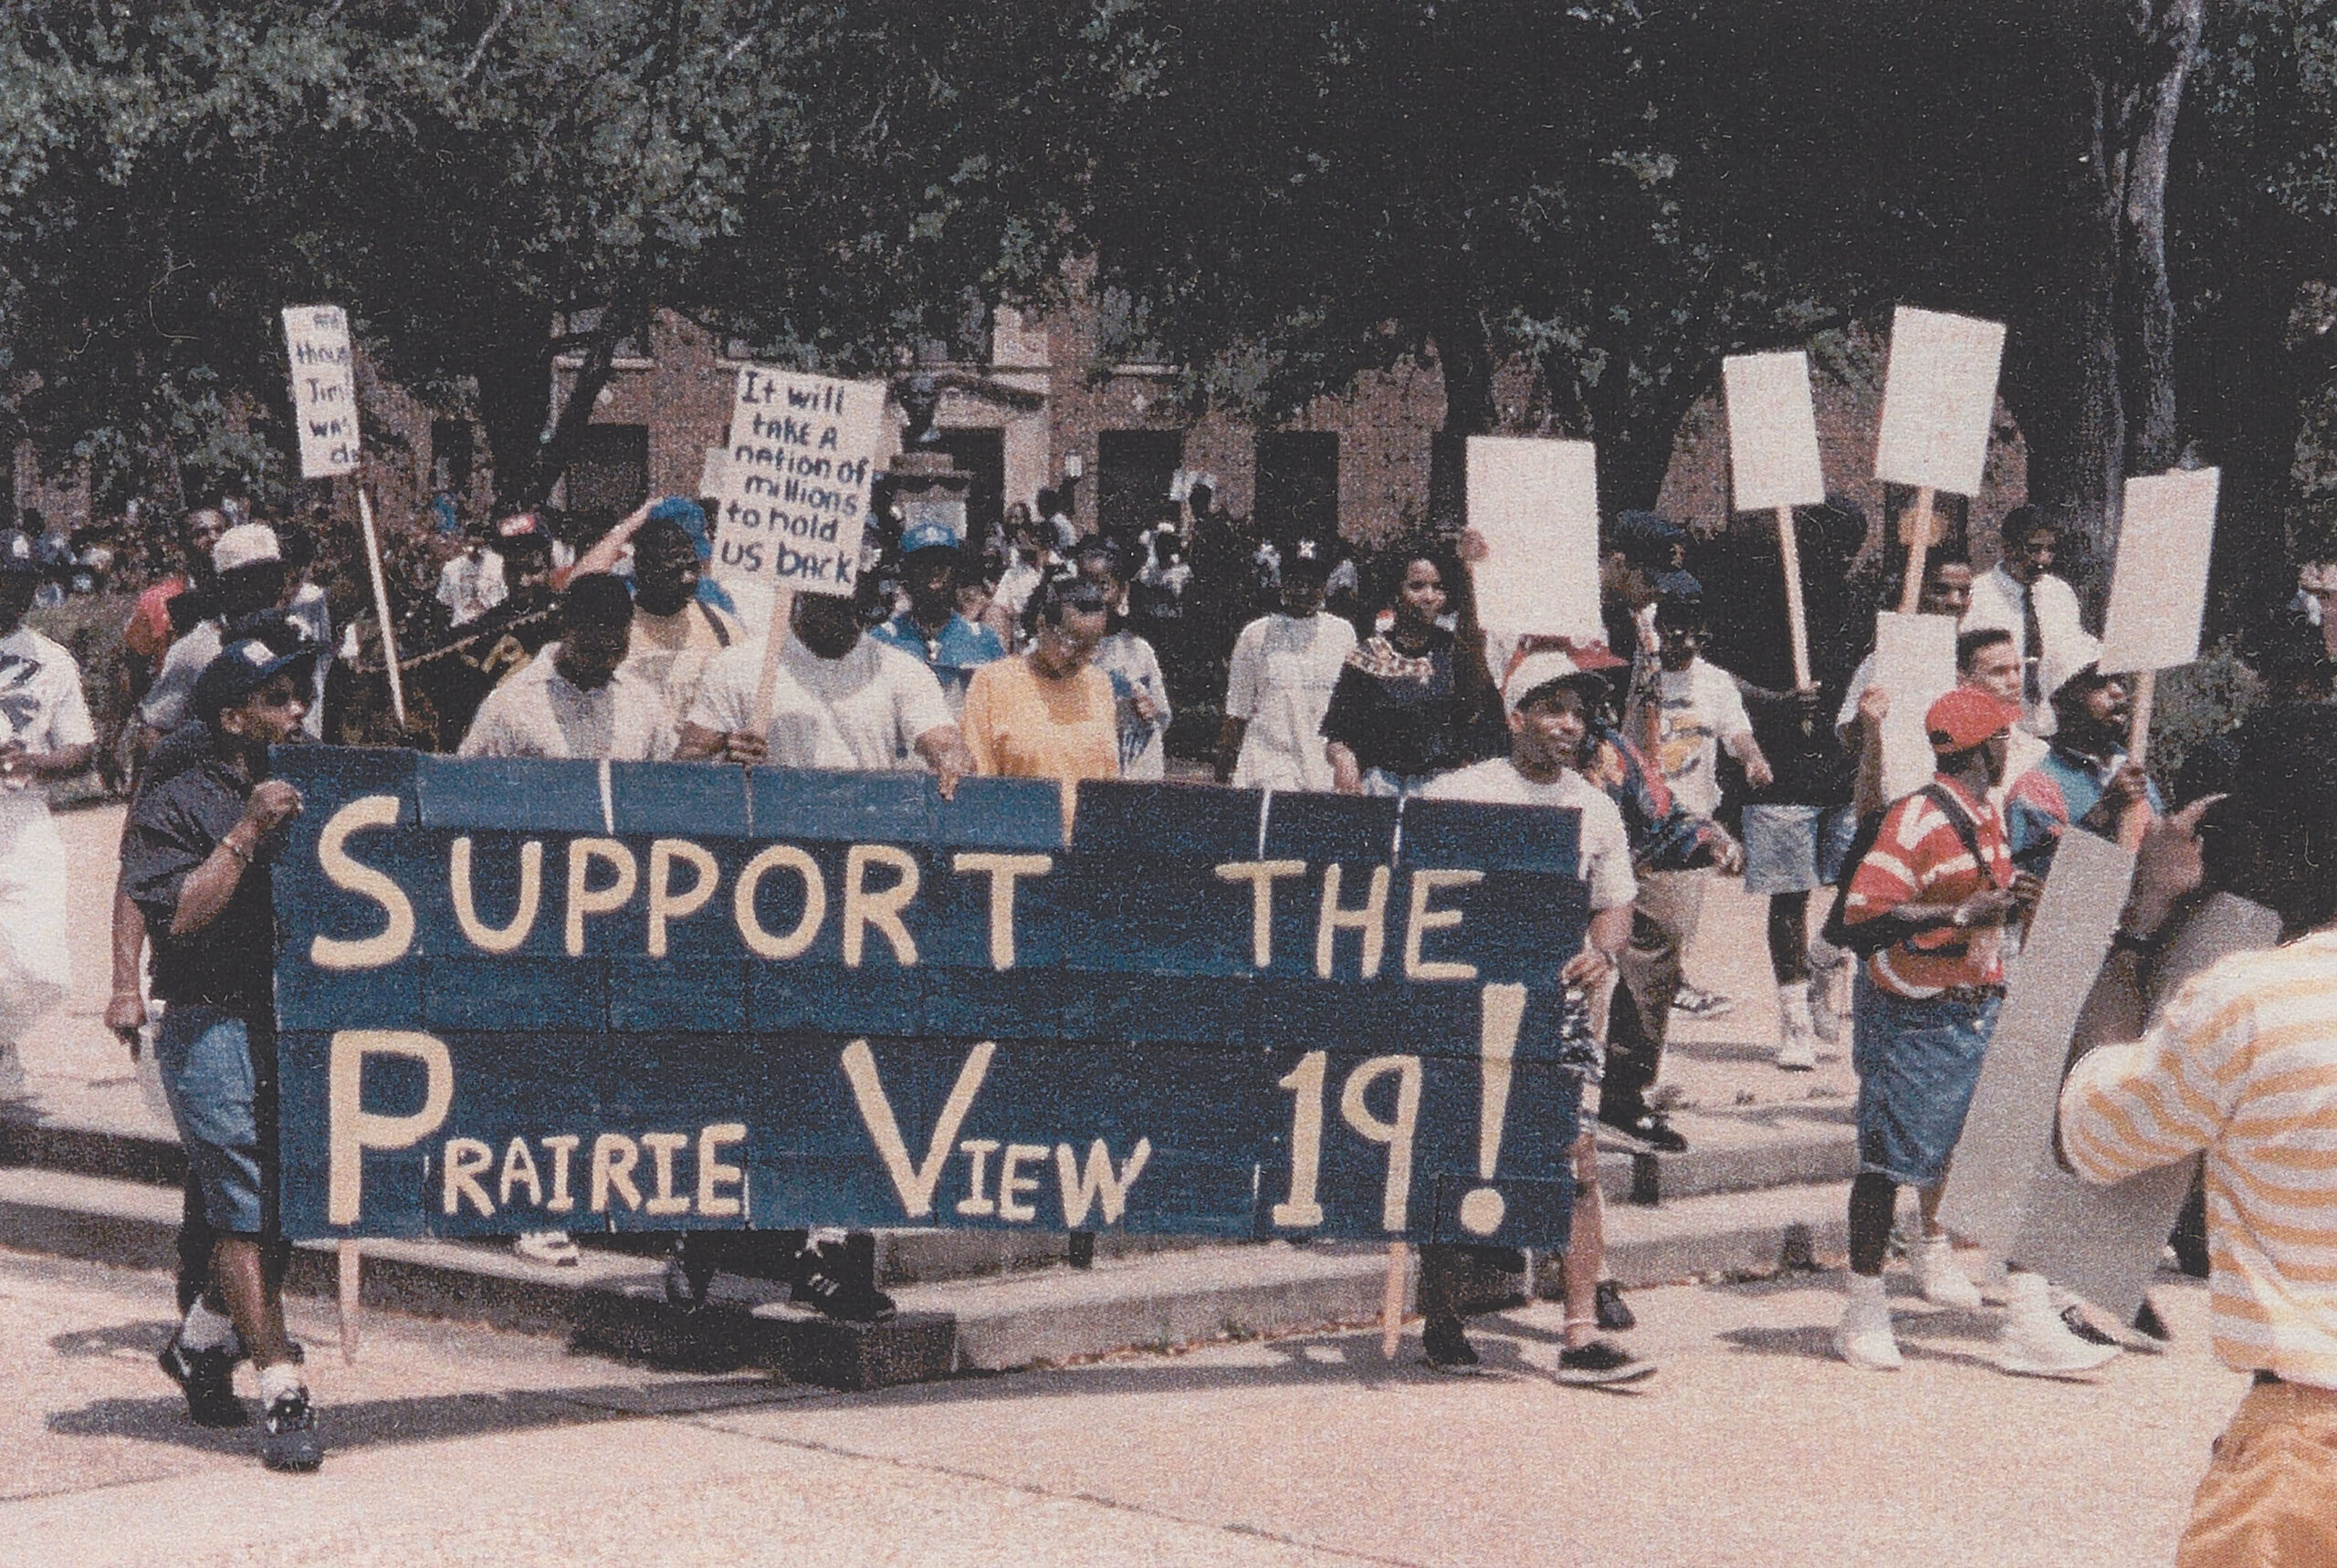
[[1549, 699]]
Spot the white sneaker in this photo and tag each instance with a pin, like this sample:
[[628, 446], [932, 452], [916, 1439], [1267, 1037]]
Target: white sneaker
[[1939, 1277], [556, 1247], [1830, 977], [1863, 1337], [1797, 1042], [2036, 1343]]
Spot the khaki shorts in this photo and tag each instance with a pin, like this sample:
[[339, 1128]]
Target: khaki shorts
[[2271, 1492]]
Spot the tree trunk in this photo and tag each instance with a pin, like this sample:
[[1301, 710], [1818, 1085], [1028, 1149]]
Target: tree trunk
[[513, 367], [1465, 356]]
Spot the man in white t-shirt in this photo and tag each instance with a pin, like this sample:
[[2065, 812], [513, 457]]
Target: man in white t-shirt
[[573, 700], [1278, 686], [1549, 723], [842, 700], [471, 584], [45, 734]]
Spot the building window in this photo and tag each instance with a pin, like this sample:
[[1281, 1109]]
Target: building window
[[453, 454], [609, 475], [1298, 484], [1133, 468]]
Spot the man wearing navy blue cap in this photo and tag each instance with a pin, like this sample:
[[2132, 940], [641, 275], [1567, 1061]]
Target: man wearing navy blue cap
[[196, 855], [930, 628]]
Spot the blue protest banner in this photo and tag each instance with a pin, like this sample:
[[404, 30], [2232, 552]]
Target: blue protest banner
[[664, 996]]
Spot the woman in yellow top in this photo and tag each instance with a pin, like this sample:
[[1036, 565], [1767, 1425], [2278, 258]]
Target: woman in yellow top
[[1049, 713]]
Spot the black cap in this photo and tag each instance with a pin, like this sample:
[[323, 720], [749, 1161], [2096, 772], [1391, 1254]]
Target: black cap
[[1308, 555], [242, 668]]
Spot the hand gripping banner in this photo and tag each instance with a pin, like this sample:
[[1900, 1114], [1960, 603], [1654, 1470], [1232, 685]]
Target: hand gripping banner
[[523, 995]]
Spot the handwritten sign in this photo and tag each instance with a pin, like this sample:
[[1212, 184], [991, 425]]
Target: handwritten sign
[[1535, 502], [324, 389], [794, 493], [650, 996], [2160, 591], [1939, 396], [1772, 432]]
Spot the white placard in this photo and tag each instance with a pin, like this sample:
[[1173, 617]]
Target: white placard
[[2009, 1132], [1939, 398], [1534, 501], [324, 389], [1914, 661], [2160, 591], [1772, 432], [794, 494]]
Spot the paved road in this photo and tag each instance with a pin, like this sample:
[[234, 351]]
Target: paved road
[[1751, 1447]]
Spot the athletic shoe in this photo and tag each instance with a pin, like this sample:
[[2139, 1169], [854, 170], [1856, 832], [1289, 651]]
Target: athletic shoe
[[1648, 1128], [1614, 1314], [687, 1283], [1863, 1337], [1797, 1036], [1599, 1362], [1448, 1350], [2073, 1318], [2036, 1343], [829, 1294], [2150, 1326], [207, 1377], [1829, 978], [290, 1440], [1941, 1279], [1699, 1003], [556, 1247]]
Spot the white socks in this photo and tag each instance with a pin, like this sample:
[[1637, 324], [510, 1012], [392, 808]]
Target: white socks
[[1866, 1289], [205, 1329], [276, 1382]]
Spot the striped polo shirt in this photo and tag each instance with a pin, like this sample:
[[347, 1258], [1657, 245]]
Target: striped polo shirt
[[2243, 1064], [1919, 858]]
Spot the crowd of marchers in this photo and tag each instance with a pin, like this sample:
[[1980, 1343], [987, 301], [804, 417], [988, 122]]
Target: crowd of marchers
[[1896, 910]]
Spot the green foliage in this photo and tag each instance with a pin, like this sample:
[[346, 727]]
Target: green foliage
[[2197, 703]]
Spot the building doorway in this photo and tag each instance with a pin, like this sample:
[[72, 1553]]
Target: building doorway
[[1134, 468], [1298, 485]]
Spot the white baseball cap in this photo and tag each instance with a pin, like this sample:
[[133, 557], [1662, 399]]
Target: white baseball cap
[[245, 544]]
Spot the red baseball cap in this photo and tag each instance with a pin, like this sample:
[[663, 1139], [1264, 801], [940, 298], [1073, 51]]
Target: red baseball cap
[[1966, 717]]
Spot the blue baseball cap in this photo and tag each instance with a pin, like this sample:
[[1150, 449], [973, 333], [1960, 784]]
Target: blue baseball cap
[[1645, 539], [928, 533]]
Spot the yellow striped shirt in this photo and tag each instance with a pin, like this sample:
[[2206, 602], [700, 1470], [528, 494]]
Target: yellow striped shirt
[[2243, 1064]]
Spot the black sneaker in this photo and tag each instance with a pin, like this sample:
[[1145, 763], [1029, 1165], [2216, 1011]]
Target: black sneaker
[[2078, 1324], [1448, 1351], [686, 1281], [290, 1440], [1599, 1362], [208, 1379], [847, 1302], [1615, 1315], [1648, 1128], [2150, 1326]]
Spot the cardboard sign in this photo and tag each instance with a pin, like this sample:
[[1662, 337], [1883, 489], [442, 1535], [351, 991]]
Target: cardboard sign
[[714, 472], [2104, 1242], [2009, 1132], [1772, 432], [324, 389], [666, 996], [1939, 398], [2160, 591], [794, 494], [1914, 661], [1535, 502]]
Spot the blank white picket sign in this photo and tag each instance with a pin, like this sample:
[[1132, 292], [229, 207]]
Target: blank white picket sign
[[1939, 398], [1914, 661], [714, 474], [1772, 432], [1534, 501], [2160, 591]]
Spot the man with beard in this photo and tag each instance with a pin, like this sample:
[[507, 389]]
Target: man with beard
[[674, 630], [931, 630]]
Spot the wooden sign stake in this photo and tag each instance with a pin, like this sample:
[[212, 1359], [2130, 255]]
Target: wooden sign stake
[[381, 606], [2137, 820], [1917, 531], [782, 606], [352, 1297], [1391, 1302], [1797, 618]]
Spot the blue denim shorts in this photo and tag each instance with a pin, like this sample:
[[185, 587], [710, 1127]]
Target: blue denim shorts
[[1393, 786], [205, 1058], [1917, 1063], [1795, 849]]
